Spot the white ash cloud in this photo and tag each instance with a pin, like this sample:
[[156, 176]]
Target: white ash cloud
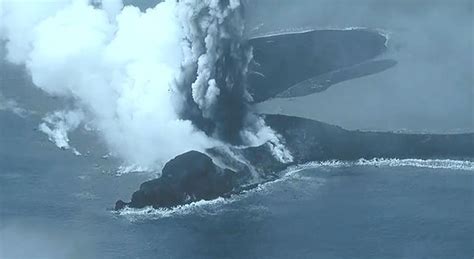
[[58, 124], [126, 70]]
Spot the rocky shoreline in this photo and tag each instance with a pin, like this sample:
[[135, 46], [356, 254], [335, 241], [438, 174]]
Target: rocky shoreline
[[193, 176]]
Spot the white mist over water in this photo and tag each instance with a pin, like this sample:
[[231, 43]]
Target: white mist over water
[[58, 124], [120, 66]]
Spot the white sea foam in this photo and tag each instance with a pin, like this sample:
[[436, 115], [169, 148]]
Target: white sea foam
[[133, 168], [216, 205], [191, 208], [393, 162]]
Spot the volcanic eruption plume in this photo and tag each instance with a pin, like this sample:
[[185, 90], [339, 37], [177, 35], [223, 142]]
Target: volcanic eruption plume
[[145, 81]]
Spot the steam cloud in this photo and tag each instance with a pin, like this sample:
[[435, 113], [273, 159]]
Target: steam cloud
[[215, 67], [154, 83], [58, 124]]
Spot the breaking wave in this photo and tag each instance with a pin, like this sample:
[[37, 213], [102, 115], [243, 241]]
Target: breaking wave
[[148, 213], [393, 162], [215, 206]]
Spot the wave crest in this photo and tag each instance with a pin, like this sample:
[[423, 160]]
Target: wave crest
[[214, 206], [393, 162]]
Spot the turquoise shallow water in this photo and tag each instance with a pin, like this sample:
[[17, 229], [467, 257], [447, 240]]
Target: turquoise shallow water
[[57, 205]]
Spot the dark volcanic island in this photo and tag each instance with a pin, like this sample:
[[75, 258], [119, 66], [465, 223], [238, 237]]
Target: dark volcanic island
[[194, 176], [286, 66]]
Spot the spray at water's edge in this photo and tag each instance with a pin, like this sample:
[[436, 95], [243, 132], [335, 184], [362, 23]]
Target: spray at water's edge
[[149, 213], [392, 162], [57, 125]]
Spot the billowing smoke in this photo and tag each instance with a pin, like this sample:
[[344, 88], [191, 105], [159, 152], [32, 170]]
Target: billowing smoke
[[58, 124], [154, 84], [215, 67], [213, 84]]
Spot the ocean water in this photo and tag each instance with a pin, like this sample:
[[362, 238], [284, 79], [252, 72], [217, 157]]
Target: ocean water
[[54, 204]]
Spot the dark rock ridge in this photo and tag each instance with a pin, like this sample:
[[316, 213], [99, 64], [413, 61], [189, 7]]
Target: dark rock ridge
[[189, 177], [193, 176], [322, 82], [310, 140], [281, 61]]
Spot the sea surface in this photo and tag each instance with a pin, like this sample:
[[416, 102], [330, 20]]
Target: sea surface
[[54, 204], [57, 205]]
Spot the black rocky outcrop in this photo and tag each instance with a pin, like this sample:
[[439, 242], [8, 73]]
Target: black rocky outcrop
[[189, 177], [310, 140], [193, 176]]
